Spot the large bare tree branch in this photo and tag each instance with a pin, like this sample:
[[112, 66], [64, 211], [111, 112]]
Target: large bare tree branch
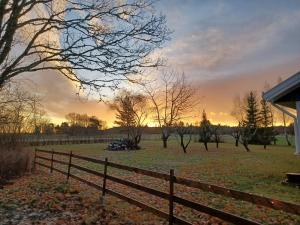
[[98, 43]]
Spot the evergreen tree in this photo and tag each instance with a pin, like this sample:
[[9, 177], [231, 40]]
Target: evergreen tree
[[131, 115], [252, 119], [252, 111], [205, 130], [266, 134], [125, 116]]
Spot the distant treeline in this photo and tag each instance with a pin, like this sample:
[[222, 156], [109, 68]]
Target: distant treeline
[[225, 129], [98, 127], [76, 124]]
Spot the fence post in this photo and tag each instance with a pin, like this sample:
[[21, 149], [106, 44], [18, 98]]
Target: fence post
[[171, 194], [104, 177], [69, 165], [104, 183], [51, 169]]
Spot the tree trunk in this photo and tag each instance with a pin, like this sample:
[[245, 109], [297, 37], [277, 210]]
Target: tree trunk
[[205, 145], [137, 140], [246, 147], [165, 136], [184, 147], [217, 144], [265, 146], [236, 142], [165, 142], [285, 131], [287, 139]]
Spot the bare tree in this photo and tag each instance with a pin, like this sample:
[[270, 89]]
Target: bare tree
[[284, 120], [18, 115], [38, 116], [171, 100], [282, 115], [273, 115], [131, 114], [286, 135], [236, 134], [243, 133], [238, 112], [20, 112], [247, 134], [272, 111], [110, 39], [185, 134], [80, 124], [76, 119], [216, 134]]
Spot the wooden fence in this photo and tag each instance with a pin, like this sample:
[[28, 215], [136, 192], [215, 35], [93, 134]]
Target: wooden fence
[[171, 197], [66, 141]]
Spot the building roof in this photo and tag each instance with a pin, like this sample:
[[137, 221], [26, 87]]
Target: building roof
[[285, 93]]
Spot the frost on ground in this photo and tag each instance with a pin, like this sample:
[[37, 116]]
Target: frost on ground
[[43, 199]]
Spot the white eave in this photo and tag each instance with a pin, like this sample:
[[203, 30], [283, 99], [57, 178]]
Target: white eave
[[285, 87]]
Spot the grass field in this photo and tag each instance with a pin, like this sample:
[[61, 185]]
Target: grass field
[[259, 171]]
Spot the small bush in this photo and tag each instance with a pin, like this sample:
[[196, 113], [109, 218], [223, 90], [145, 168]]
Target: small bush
[[14, 161]]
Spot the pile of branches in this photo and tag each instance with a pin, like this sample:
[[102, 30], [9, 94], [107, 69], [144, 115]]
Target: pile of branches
[[122, 145]]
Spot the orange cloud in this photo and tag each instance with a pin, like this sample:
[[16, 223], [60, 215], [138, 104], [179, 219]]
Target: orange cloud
[[60, 97]]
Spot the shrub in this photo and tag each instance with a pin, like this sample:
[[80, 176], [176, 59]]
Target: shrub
[[14, 162]]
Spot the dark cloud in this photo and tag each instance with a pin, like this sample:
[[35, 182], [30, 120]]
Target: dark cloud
[[218, 37]]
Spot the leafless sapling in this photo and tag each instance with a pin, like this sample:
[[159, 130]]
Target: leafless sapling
[[216, 134], [247, 134], [236, 134], [185, 133]]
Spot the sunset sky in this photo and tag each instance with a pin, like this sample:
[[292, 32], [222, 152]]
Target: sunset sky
[[226, 48]]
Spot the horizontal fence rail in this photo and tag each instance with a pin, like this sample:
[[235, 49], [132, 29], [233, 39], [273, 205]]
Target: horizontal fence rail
[[255, 199]]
